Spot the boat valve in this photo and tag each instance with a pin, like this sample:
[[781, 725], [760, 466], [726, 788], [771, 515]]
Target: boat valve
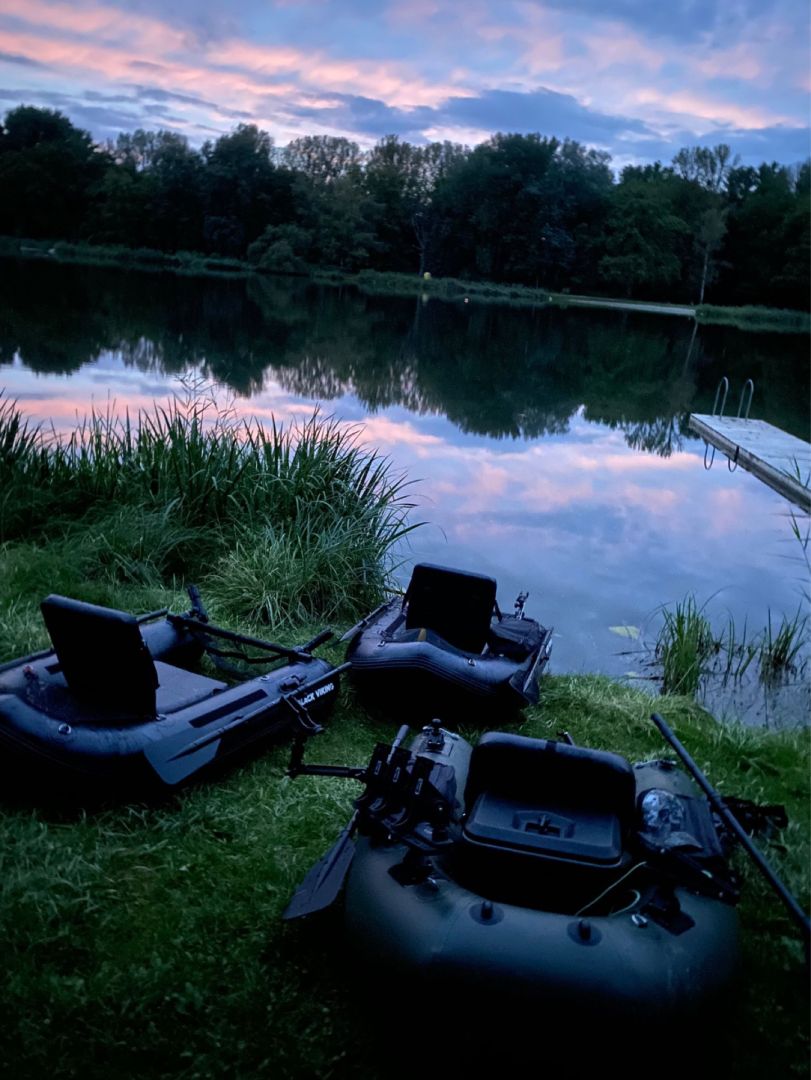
[[486, 913]]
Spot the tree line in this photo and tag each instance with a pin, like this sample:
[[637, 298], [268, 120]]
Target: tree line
[[526, 209]]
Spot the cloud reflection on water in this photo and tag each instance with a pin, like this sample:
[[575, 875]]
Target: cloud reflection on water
[[599, 532]]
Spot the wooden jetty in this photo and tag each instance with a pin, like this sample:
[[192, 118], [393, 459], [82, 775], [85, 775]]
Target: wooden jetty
[[778, 459]]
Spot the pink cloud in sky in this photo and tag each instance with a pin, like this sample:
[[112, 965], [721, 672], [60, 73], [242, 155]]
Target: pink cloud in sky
[[392, 81], [103, 26], [415, 60], [740, 60], [616, 46], [689, 104]]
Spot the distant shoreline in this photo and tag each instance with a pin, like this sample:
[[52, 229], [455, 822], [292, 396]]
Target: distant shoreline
[[198, 264]]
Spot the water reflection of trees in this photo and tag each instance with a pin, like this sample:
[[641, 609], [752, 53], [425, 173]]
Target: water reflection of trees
[[492, 370]]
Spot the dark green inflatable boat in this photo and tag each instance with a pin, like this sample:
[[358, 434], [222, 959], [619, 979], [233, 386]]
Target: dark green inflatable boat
[[535, 876]]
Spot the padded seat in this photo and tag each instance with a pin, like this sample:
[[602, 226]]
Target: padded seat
[[102, 654], [548, 799], [105, 663], [455, 604]]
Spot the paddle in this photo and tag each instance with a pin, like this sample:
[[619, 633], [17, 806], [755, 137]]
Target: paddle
[[177, 757], [325, 880]]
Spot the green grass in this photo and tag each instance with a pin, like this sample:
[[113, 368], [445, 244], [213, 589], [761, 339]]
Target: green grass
[[194, 263], [780, 647], [683, 647], [393, 284], [687, 648], [769, 320]]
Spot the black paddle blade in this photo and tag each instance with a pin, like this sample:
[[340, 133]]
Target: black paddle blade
[[323, 883], [178, 758]]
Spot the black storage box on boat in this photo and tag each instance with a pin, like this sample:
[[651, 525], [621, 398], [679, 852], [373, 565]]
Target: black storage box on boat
[[548, 799]]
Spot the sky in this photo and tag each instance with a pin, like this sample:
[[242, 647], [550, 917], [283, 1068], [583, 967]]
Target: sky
[[636, 78]]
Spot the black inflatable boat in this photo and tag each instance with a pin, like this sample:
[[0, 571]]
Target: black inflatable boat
[[535, 878], [112, 709], [445, 648]]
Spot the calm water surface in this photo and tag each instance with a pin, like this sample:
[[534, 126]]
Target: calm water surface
[[549, 448]]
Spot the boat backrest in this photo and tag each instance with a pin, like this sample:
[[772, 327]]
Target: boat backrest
[[545, 772], [455, 604], [102, 654]]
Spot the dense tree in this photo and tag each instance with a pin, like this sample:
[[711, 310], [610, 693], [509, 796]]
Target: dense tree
[[709, 167], [642, 238], [47, 171], [244, 191], [322, 158], [767, 243], [521, 208]]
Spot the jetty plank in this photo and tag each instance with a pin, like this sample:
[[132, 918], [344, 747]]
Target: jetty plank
[[778, 459]]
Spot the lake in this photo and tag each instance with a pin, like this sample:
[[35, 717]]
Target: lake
[[548, 448]]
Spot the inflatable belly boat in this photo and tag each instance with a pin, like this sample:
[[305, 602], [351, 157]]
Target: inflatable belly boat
[[533, 876], [445, 649], [112, 708]]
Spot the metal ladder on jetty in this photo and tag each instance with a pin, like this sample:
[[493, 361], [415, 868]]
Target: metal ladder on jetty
[[774, 456]]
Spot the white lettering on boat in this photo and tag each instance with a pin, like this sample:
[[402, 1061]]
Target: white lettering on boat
[[327, 688]]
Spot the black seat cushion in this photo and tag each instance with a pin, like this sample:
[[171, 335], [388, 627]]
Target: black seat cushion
[[102, 654], [544, 773], [455, 604]]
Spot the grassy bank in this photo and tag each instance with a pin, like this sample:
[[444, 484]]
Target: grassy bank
[[764, 319], [147, 942], [373, 282], [191, 263]]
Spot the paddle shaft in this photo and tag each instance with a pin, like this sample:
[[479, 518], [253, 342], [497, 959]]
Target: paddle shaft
[[240, 639]]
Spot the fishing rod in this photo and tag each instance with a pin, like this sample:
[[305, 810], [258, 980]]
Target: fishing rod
[[735, 826]]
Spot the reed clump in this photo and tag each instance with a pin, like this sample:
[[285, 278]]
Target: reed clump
[[684, 645], [780, 647], [687, 648], [187, 490]]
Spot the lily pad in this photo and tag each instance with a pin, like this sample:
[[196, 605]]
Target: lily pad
[[625, 631]]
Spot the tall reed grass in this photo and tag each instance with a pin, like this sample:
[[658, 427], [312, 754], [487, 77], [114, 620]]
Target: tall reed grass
[[688, 648], [187, 489], [684, 645]]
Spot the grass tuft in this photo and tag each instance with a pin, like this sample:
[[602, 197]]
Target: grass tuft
[[687, 648], [780, 648], [684, 645], [301, 519]]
